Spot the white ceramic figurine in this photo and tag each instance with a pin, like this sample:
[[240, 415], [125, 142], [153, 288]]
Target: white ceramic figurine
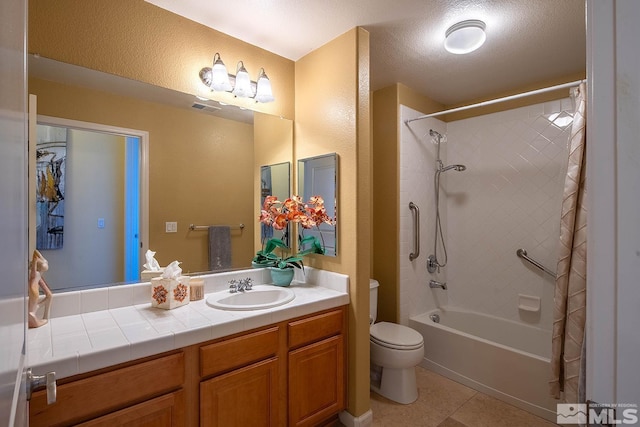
[[36, 282]]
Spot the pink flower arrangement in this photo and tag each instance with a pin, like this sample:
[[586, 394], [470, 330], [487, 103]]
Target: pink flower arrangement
[[278, 214]]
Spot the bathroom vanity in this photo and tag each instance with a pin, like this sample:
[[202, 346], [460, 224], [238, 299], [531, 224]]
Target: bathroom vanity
[[281, 366]]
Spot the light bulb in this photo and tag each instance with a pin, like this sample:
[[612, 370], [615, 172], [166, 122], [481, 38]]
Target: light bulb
[[243, 83], [219, 75], [263, 88]]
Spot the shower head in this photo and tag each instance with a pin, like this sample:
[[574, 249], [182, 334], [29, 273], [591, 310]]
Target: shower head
[[458, 168]]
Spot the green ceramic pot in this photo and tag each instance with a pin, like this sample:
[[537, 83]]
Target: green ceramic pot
[[281, 276]]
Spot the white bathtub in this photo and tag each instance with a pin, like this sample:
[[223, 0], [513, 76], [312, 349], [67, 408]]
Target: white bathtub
[[499, 357]]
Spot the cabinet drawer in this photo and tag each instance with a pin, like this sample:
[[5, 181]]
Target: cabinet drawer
[[237, 352], [97, 395], [167, 410], [315, 328]]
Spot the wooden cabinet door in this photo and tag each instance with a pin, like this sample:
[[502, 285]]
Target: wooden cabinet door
[[163, 411], [244, 397], [316, 382], [104, 393]]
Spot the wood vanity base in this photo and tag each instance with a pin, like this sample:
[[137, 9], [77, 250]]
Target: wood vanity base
[[288, 374]]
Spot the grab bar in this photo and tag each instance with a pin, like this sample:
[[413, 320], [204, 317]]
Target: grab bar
[[521, 253], [416, 230]]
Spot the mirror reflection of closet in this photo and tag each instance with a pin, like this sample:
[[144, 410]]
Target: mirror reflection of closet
[[275, 180], [318, 176]]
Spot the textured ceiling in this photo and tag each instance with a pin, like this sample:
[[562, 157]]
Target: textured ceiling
[[528, 41]]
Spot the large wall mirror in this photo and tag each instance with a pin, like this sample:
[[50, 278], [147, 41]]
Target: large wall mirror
[[318, 176], [203, 168]]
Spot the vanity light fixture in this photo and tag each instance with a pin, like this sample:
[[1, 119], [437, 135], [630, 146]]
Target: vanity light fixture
[[219, 75], [465, 36], [218, 79]]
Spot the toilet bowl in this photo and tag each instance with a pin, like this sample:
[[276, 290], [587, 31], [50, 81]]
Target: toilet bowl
[[395, 351]]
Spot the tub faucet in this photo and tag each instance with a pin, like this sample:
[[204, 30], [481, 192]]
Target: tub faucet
[[435, 284]]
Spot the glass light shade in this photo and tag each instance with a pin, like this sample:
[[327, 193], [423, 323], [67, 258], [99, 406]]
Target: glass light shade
[[263, 88], [219, 75], [465, 37], [243, 83]]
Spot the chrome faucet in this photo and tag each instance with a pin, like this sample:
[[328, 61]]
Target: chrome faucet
[[240, 285], [435, 284]]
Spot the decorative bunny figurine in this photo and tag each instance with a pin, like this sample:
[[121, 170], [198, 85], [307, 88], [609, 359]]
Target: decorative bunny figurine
[[36, 282]]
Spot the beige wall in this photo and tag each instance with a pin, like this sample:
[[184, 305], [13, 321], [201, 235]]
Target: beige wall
[[135, 39], [273, 143], [200, 168], [385, 200], [412, 99], [332, 115]]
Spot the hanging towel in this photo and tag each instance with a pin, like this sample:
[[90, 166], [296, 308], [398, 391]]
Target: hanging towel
[[219, 247]]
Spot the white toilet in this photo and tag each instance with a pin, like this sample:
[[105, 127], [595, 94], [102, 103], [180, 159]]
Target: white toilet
[[396, 350]]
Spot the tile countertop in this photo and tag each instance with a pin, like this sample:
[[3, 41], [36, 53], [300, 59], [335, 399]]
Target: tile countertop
[[97, 328]]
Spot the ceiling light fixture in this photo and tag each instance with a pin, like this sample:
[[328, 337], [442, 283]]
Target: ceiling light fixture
[[219, 80], [465, 36]]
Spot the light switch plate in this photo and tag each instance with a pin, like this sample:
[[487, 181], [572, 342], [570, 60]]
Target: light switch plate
[[100, 222], [171, 227]]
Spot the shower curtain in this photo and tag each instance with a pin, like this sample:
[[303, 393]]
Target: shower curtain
[[567, 359]]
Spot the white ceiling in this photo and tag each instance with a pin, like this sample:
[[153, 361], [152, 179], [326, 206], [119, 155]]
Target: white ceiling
[[528, 41]]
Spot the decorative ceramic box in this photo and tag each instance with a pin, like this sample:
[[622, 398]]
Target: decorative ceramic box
[[169, 293], [147, 275]]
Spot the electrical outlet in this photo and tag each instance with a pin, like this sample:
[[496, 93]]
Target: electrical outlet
[[171, 227]]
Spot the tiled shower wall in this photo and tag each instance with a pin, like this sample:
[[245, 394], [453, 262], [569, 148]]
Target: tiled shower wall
[[417, 166], [508, 198]]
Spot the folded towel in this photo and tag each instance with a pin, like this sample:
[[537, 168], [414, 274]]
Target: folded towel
[[219, 247]]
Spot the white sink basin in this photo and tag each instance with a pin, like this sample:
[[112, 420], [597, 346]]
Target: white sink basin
[[258, 298]]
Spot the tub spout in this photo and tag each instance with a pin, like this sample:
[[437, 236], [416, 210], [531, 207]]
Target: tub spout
[[435, 284]]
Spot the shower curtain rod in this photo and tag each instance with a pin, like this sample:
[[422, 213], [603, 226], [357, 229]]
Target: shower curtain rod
[[495, 101]]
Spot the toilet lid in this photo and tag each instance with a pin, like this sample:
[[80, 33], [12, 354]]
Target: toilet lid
[[395, 336]]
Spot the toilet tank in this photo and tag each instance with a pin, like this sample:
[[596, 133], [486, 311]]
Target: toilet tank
[[373, 300]]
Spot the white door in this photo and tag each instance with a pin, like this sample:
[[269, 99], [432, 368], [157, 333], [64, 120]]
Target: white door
[[13, 211]]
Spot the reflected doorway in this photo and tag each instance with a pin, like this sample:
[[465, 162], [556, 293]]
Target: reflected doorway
[[105, 195]]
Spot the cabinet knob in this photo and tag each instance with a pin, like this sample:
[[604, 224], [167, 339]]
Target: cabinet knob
[[36, 381]]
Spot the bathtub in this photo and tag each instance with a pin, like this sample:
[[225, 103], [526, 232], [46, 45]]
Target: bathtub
[[499, 357]]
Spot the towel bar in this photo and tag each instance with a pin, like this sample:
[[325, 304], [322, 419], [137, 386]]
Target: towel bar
[[193, 227]]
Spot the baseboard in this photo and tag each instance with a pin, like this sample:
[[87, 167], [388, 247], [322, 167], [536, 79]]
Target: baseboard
[[364, 420]]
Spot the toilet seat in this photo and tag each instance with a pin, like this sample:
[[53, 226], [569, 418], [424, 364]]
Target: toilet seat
[[395, 336]]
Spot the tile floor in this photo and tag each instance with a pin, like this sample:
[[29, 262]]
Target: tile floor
[[446, 403]]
